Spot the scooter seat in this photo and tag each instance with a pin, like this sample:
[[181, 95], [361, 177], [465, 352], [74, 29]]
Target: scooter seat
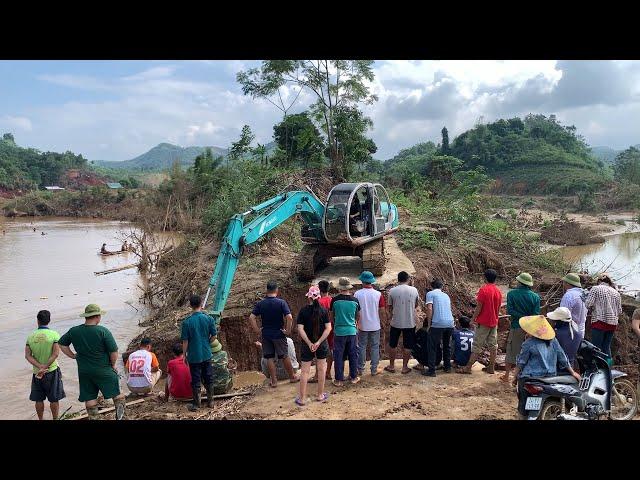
[[562, 379]]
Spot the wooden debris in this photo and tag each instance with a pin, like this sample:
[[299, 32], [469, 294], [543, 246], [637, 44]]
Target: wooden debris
[[107, 410], [117, 269]]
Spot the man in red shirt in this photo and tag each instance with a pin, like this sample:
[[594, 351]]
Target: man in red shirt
[[489, 300], [179, 377]]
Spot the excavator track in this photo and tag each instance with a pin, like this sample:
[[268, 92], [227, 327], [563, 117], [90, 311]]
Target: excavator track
[[308, 261], [373, 257]]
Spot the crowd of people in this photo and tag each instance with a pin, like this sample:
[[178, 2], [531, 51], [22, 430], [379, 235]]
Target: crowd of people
[[334, 330]]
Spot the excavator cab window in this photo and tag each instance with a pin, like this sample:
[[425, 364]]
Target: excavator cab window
[[336, 216]]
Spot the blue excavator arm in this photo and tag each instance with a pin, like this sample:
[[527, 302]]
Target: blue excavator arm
[[270, 214]]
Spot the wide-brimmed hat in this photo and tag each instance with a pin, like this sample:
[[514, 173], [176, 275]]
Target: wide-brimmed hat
[[572, 279], [537, 326], [344, 284], [561, 313], [216, 346], [525, 279], [367, 277], [314, 292], [92, 310]]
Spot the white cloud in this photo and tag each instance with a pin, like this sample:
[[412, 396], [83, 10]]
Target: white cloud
[[416, 99], [21, 123]]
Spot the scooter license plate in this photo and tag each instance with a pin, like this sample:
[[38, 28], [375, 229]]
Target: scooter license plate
[[533, 403]]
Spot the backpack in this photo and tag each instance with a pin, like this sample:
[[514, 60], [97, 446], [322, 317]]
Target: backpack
[[420, 349]]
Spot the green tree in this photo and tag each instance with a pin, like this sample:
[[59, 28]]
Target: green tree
[[626, 166], [333, 83], [243, 146], [352, 144], [260, 153], [299, 138], [8, 137], [445, 141]]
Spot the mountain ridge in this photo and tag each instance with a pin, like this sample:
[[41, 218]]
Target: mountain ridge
[[163, 155]]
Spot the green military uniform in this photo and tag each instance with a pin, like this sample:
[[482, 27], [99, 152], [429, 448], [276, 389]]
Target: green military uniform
[[222, 379], [93, 344]]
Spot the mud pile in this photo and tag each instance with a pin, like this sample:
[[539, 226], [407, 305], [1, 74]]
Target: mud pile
[[568, 232]]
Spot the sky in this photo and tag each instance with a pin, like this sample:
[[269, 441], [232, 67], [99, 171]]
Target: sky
[[116, 110]]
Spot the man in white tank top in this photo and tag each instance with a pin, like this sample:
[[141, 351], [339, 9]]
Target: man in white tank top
[[143, 369], [372, 307]]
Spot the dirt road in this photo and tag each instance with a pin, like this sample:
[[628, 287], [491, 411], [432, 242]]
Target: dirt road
[[394, 396]]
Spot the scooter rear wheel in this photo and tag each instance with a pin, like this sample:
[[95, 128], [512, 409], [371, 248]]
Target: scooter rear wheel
[[550, 410], [624, 400]]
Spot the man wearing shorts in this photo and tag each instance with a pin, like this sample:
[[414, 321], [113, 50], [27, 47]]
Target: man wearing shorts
[[521, 302], [402, 302], [273, 312], [489, 300], [96, 353], [42, 351]]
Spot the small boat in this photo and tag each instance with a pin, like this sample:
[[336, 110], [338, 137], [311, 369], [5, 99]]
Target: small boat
[[108, 254]]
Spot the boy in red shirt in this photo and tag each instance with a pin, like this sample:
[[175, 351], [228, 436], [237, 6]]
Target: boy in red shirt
[[486, 316], [179, 377]]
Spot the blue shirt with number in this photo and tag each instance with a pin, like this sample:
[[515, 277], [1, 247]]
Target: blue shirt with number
[[462, 343]]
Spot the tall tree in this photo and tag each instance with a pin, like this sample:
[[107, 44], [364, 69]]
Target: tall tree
[[445, 141], [298, 135], [243, 145], [626, 166], [333, 84]]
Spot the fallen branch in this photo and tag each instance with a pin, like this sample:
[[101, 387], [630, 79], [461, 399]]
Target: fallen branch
[[117, 269]]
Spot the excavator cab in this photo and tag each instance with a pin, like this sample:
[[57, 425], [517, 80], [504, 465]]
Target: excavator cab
[[358, 212]]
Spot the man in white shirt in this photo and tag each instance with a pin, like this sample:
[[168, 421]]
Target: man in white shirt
[[372, 306], [574, 298], [143, 368], [402, 301]]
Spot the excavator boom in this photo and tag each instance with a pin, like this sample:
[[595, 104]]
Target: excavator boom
[[270, 214]]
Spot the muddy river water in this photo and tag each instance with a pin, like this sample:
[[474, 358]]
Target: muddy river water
[[619, 255], [56, 272]]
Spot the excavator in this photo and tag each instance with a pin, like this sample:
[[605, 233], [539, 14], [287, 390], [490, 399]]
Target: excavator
[[353, 222]]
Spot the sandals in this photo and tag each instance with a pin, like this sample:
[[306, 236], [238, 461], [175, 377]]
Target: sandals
[[389, 369], [324, 398], [463, 370], [337, 383], [405, 371], [488, 370], [355, 380], [299, 402]]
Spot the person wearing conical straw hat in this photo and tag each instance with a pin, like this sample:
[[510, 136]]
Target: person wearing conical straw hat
[[521, 301], [345, 312], [541, 355], [573, 298], [567, 332]]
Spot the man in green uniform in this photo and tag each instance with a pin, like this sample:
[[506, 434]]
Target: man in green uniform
[[521, 302], [96, 354], [42, 351]]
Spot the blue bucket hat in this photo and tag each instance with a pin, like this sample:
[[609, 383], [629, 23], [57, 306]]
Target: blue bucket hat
[[367, 277]]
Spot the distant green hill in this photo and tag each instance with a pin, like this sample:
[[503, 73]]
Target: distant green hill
[[607, 154], [532, 155], [163, 156], [28, 168]]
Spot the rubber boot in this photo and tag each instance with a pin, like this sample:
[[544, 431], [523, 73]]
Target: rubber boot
[[210, 396], [120, 404], [196, 399], [92, 413]]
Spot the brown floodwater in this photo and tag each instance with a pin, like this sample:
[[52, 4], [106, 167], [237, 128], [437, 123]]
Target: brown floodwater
[[56, 272], [619, 255]]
